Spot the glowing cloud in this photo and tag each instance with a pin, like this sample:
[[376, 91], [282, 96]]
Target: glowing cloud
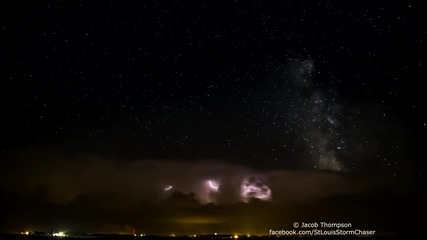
[[254, 188], [214, 185]]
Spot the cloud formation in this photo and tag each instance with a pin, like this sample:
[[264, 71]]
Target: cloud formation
[[66, 177], [92, 193]]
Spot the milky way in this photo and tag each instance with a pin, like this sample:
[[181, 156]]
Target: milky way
[[311, 114]]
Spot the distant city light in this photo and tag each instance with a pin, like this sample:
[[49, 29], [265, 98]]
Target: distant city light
[[59, 234], [235, 236]]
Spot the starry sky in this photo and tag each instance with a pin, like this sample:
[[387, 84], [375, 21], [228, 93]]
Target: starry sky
[[330, 92]]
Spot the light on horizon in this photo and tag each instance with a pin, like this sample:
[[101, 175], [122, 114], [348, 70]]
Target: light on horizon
[[59, 234]]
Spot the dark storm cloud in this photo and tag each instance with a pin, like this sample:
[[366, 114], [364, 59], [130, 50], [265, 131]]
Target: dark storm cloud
[[44, 190], [66, 177], [94, 193]]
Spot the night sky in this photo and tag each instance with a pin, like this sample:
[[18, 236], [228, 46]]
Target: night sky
[[105, 105]]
